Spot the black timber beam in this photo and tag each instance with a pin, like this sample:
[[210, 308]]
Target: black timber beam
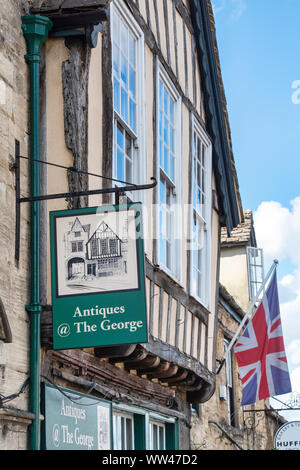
[[75, 17], [81, 19]]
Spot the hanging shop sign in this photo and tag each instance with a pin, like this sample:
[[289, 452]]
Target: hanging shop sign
[[287, 436], [74, 421], [98, 277]]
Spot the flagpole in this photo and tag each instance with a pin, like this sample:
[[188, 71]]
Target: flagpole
[[247, 315]]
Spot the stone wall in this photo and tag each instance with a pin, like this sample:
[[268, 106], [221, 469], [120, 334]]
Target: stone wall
[[14, 275], [206, 433]]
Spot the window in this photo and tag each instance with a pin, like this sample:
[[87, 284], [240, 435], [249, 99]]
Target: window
[[135, 428], [91, 269], [229, 385], [166, 131], [94, 248], [201, 215], [123, 431], [157, 436], [168, 174], [255, 270], [113, 246], [103, 246], [128, 79], [77, 246], [166, 224]]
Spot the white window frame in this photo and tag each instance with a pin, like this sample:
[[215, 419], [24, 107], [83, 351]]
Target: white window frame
[[122, 409], [257, 267], [229, 384], [159, 425], [176, 248], [205, 299], [118, 7], [117, 416]]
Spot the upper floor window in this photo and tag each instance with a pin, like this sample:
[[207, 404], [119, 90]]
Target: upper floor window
[[255, 270], [169, 174], [77, 246], [166, 131], [201, 215], [128, 79]]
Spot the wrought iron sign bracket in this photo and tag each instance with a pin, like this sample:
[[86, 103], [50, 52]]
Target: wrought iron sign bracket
[[117, 190]]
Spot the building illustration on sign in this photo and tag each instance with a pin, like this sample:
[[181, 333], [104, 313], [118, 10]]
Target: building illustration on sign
[[101, 254], [94, 254]]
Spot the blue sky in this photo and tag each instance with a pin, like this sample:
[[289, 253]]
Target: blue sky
[[259, 47]]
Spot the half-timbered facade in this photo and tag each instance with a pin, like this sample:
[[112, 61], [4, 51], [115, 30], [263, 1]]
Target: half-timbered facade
[[151, 111], [105, 252], [131, 90]]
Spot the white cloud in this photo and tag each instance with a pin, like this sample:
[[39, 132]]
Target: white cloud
[[218, 5], [277, 231], [294, 352], [235, 8], [295, 379], [271, 222], [287, 280], [239, 6], [290, 313]]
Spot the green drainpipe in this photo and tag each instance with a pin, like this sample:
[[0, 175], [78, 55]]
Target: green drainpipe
[[35, 29]]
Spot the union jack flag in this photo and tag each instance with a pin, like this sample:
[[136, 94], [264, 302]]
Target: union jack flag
[[260, 352]]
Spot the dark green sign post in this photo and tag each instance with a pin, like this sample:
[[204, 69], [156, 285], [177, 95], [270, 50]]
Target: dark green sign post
[[98, 277]]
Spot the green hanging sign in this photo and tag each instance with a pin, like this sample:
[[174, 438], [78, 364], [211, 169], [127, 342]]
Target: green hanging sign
[[74, 421], [98, 277]]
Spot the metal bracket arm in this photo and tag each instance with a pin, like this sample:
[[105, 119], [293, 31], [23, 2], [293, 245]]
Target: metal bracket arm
[[126, 187], [91, 192]]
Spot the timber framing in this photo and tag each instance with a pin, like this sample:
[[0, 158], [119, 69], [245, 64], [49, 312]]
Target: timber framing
[[75, 73], [181, 361], [107, 115], [84, 370], [154, 360], [217, 125], [175, 290], [155, 46], [71, 14], [199, 21]]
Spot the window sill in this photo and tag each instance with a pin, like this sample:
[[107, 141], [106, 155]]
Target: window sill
[[203, 304], [165, 270]]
